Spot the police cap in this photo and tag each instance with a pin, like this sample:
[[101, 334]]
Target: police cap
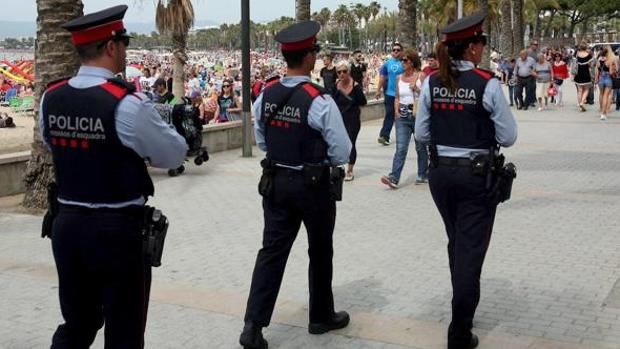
[[98, 26], [465, 28], [299, 36]]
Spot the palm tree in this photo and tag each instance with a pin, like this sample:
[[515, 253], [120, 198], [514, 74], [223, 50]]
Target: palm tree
[[407, 22], [359, 10], [519, 31], [175, 18], [323, 16], [505, 42], [374, 8], [55, 57], [302, 10], [483, 5]]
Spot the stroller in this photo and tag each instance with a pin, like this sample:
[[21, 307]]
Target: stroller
[[185, 118]]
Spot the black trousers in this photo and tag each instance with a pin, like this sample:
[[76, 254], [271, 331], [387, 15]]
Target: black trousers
[[292, 203], [353, 126], [102, 277], [468, 217]]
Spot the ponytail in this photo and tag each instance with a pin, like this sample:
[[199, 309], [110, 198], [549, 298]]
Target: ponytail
[[447, 75]]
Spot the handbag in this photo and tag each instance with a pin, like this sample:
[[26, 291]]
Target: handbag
[[552, 91]]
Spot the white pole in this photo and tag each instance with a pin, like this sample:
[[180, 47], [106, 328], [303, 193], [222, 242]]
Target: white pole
[[459, 13]]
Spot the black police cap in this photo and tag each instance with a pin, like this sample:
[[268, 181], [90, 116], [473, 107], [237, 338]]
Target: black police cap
[[298, 36], [98, 26]]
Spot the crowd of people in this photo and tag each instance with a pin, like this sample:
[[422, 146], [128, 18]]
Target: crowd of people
[[537, 77]]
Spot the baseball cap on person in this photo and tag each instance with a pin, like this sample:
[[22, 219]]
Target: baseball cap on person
[[159, 82]]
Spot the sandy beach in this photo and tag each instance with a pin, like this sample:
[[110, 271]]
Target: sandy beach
[[18, 138]]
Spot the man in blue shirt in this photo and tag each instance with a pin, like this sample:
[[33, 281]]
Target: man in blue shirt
[[387, 82]]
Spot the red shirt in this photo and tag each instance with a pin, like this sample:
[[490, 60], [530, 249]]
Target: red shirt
[[560, 71], [428, 70]]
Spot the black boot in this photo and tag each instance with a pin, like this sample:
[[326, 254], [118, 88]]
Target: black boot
[[473, 343], [252, 337], [339, 320]]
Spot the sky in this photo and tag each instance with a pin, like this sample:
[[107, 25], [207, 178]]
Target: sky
[[219, 11]]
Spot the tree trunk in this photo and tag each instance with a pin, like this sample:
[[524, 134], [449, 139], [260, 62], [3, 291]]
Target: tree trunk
[[179, 43], [55, 58], [505, 42], [302, 10], [549, 24], [483, 5], [519, 29], [407, 23], [536, 34]]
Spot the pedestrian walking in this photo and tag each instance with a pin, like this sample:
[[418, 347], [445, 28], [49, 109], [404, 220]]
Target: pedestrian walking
[[462, 115], [582, 76], [605, 69], [349, 97], [544, 78], [523, 71], [560, 73], [299, 126], [102, 186], [387, 82], [408, 86]]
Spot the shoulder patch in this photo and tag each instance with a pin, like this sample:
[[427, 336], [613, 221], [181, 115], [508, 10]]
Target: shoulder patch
[[56, 84], [312, 90], [115, 90], [272, 82], [487, 75]]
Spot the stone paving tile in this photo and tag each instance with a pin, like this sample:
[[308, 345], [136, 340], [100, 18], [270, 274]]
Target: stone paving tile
[[553, 261]]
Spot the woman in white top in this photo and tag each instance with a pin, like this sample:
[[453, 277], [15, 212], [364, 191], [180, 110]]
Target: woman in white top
[[408, 87]]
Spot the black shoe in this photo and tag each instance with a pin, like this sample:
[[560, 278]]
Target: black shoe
[[519, 107], [473, 343], [525, 108], [252, 337], [339, 320], [617, 106]]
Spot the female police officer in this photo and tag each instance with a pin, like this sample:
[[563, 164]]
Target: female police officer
[[462, 115]]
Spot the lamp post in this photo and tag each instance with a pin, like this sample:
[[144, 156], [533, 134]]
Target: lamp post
[[245, 66]]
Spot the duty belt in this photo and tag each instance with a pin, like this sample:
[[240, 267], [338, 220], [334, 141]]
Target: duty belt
[[448, 161]]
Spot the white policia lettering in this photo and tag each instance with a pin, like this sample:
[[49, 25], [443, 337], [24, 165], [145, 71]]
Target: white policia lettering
[[287, 110], [459, 93], [72, 123]]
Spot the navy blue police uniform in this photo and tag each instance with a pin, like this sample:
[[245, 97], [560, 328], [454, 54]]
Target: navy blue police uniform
[[463, 127], [102, 184], [300, 128]]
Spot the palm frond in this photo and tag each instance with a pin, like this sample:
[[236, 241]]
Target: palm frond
[[174, 17]]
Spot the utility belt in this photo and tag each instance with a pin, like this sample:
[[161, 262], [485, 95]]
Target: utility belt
[[499, 176], [154, 225], [313, 175]]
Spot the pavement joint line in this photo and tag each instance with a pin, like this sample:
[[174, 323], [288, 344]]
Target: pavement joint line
[[375, 327]]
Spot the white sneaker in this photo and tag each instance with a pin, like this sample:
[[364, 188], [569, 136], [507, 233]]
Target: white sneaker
[[603, 117], [540, 108]]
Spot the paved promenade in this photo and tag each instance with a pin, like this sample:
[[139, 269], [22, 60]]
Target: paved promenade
[[551, 278]]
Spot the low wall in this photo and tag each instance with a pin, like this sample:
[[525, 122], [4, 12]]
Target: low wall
[[217, 137]]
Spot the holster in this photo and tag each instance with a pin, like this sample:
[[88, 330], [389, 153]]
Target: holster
[[504, 176], [314, 174], [336, 179], [433, 156], [154, 232], [52, 210], [265, 185]]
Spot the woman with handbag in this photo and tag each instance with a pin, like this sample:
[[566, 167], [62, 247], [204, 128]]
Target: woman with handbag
[[560, 73], [408, 87], [544, 78], [605, 69]]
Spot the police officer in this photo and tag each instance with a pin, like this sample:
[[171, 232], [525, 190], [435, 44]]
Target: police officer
[[463, 114], [301, 129], [100, 133]]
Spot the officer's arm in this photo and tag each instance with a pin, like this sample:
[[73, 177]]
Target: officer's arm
[[259, 125], [423, 118], [141, 128], [325, 117], [494, 101], [42, 123]]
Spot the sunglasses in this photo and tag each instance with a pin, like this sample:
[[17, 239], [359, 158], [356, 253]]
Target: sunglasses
[[396, 50], [225, 85], [405, 60], [342, 71]]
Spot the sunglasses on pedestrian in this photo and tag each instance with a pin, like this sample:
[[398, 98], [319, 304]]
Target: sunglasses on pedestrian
[[396, 49], [342, 71], [225, 85], [405, 60]]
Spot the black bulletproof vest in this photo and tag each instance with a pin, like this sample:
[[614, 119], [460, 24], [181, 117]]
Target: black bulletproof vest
[[92, 165], [290, 140], [458, 118]]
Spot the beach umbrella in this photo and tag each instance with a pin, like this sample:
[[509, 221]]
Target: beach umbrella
[[132, 72]]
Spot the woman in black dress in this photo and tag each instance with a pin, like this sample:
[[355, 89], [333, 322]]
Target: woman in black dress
[[583, 78], [349, 97]]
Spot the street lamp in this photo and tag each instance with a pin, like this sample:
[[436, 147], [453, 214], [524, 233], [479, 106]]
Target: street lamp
[[245, 87]]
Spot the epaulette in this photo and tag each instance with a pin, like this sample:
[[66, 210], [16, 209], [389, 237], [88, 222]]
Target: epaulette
[[314, 90], [131, 88], [56, 84], [486, 74]]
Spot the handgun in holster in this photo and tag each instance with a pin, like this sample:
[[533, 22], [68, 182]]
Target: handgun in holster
[[52, 210], [154, 232], [314, 174], [336, 179], [500, 178], [433, 156], [265, 185]]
